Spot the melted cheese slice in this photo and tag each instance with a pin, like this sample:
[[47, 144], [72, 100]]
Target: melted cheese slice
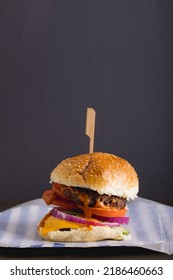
[[52, 224]]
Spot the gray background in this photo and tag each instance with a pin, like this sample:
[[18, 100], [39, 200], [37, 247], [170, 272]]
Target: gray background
[[59, 57]]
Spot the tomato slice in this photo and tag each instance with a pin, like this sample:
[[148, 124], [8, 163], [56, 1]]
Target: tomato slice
[[103, 212]]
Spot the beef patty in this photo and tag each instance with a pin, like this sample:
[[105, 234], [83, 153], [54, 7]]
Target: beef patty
[[90, 198]]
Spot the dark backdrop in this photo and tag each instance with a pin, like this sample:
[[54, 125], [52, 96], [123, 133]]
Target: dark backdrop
[[59, 57]]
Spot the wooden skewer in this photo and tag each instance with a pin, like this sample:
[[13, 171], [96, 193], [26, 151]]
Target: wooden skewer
[[90, 127]]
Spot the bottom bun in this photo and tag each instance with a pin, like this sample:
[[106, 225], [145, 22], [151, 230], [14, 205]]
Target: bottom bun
[[87, 234]]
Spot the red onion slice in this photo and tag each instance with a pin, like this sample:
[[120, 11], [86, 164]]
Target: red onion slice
[[76, 219], [120, 220]]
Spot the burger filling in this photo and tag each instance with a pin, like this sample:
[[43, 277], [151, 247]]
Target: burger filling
[[82, 208], [83, 197], [89, 198]]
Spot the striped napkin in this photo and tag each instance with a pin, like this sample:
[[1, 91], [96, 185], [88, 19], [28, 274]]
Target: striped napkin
[[151, 227]]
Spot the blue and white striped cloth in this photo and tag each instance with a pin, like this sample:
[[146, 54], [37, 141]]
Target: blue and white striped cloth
[[151, 227]]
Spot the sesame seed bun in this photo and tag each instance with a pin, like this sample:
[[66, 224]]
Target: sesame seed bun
[[85, 234], [101, 172]]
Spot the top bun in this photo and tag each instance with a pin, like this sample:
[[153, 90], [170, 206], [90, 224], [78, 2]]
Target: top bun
[[101, 172]]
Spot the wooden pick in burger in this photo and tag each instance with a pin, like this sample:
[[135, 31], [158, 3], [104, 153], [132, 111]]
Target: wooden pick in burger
[[90, 127]]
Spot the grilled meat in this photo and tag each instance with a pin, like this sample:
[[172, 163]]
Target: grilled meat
[[89, 198]]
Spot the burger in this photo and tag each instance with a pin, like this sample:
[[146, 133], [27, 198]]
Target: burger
[[89, 197]]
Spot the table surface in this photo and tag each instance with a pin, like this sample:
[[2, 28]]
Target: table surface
[[119, 253]]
